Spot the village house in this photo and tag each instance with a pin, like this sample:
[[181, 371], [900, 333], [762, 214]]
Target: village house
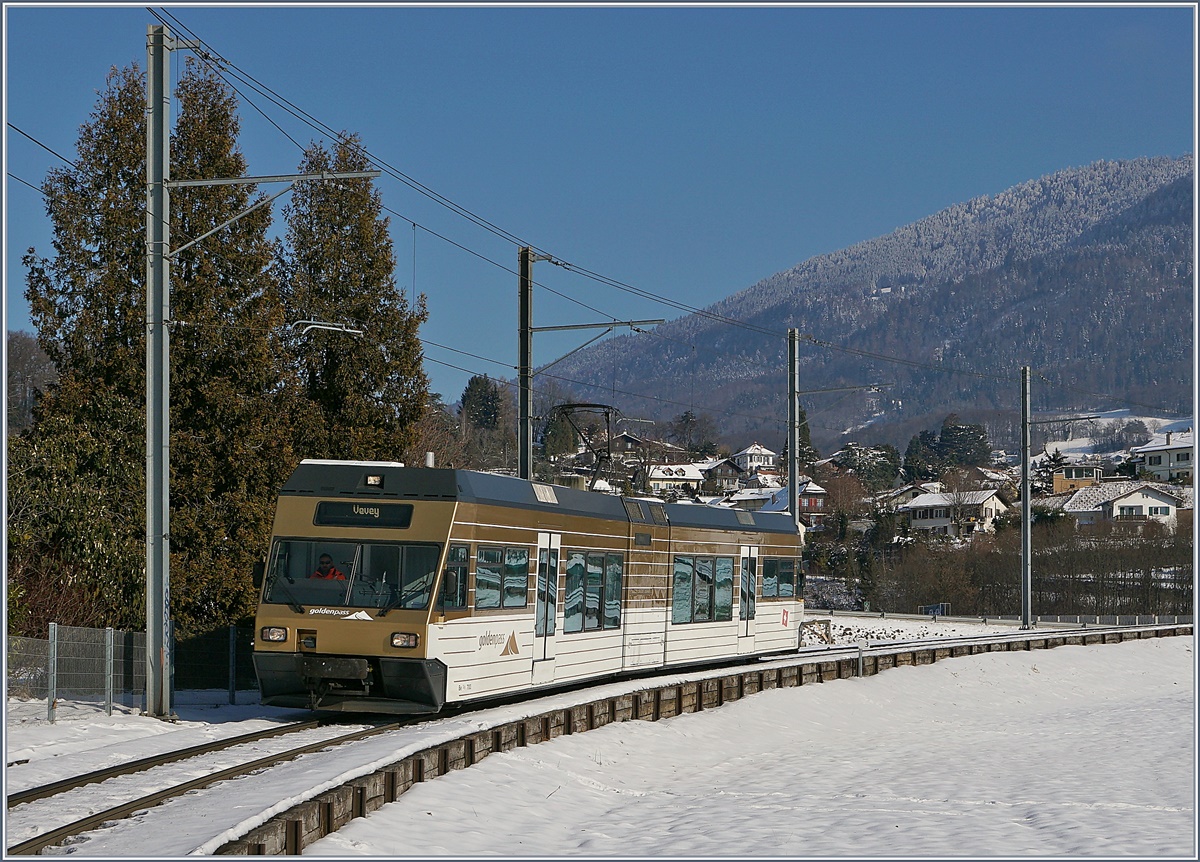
[[1071, 477], [891, 500], [720, 475], [1128, 503], [955, 513], [1167, 457], [754, 456], [674, 479]]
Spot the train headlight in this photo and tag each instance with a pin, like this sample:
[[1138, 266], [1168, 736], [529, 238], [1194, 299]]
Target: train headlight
[[274, 634], [404, 640]]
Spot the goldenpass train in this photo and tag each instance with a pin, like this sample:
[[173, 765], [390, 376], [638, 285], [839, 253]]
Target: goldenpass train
[[402, 590]]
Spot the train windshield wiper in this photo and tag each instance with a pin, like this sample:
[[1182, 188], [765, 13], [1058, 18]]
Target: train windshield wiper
[[287, 595], [412, 591]]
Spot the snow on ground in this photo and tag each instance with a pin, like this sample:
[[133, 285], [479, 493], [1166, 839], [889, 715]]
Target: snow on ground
[[1073, 751]]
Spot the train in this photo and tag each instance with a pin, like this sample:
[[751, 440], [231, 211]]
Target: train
[[407, 590]]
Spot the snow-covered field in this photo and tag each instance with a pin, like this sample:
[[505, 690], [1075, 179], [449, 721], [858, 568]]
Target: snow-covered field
[[1076, 751]]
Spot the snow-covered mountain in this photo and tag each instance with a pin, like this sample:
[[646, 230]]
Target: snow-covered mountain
[[1085, 274]]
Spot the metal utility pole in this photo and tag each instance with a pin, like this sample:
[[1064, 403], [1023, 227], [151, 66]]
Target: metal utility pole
[[1026, 492], [525, 331], [794, 425], [1026, 519], [525, 259], [159, 45]]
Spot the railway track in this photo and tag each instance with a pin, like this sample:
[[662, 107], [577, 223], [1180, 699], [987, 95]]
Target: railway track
[[456, 742], [48, 794]]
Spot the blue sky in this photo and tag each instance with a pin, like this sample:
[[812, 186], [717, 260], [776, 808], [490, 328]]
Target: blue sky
[[689, 152]]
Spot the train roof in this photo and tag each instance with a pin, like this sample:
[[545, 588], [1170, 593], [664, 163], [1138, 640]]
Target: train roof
[[393, 481]]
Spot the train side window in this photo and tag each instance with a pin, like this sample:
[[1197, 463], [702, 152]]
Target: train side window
[[593, 596], [595, 591], [749, 582], [516, 577], [723, 594], [488, 563], [573, 612], [703, 590], [681, 609], [614, 570], [787, 578], [770, 578], [454, 587]]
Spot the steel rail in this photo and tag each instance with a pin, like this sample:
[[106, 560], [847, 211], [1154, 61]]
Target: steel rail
[[54, 788], [47, 839]]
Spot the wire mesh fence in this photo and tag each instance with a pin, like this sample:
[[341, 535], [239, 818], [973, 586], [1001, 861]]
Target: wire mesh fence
[[77, 672], [27, 659], [219, 660]]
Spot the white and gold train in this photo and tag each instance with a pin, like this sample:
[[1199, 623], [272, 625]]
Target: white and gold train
[[398, 589]]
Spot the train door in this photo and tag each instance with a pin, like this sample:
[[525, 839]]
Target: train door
[[748, 584], [545, 606]]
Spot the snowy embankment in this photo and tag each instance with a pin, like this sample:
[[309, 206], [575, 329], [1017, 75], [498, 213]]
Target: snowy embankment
[[1075, 751], [1070, 751]]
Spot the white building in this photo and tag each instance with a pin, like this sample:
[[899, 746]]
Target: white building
[[680, 478], [753, 456], [1168, 456], [1123, 502], [954, 513]]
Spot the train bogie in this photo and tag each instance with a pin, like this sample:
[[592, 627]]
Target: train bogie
[[403, 590]]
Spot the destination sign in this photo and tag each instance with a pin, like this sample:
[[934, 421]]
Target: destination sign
[[394, 516]]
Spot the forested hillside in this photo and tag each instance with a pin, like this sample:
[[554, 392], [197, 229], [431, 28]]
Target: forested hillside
[[1086, 275]]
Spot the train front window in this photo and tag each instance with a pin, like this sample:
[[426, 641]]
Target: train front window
[[351, 574]]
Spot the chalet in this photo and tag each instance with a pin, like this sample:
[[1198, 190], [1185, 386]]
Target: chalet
[[893, 499], [665, 479], [1122, 503], [954, 513], [1167, 457], [720, 474], [762, 477], [753, 456]]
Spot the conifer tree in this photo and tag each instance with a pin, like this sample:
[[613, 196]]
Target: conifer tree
[[80, 470], [78, 475], [366, 393], [488, 421], [230, 408]]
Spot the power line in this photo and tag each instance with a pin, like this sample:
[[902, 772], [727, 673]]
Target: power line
[[226, 69]]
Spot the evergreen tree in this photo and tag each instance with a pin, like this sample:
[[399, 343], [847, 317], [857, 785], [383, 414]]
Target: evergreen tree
[[231, 412], [559, 437], [922, 460], [963, 445], [480, 404], [77, 477], [337, 266], [81, 468], [876, 467], [488, 421], [694, 433]]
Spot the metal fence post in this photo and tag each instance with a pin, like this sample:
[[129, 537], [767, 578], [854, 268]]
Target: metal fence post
[[52, 673], [169, 677], [233, 665], [108, 670]]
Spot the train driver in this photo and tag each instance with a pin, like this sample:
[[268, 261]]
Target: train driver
[[326, 570]]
